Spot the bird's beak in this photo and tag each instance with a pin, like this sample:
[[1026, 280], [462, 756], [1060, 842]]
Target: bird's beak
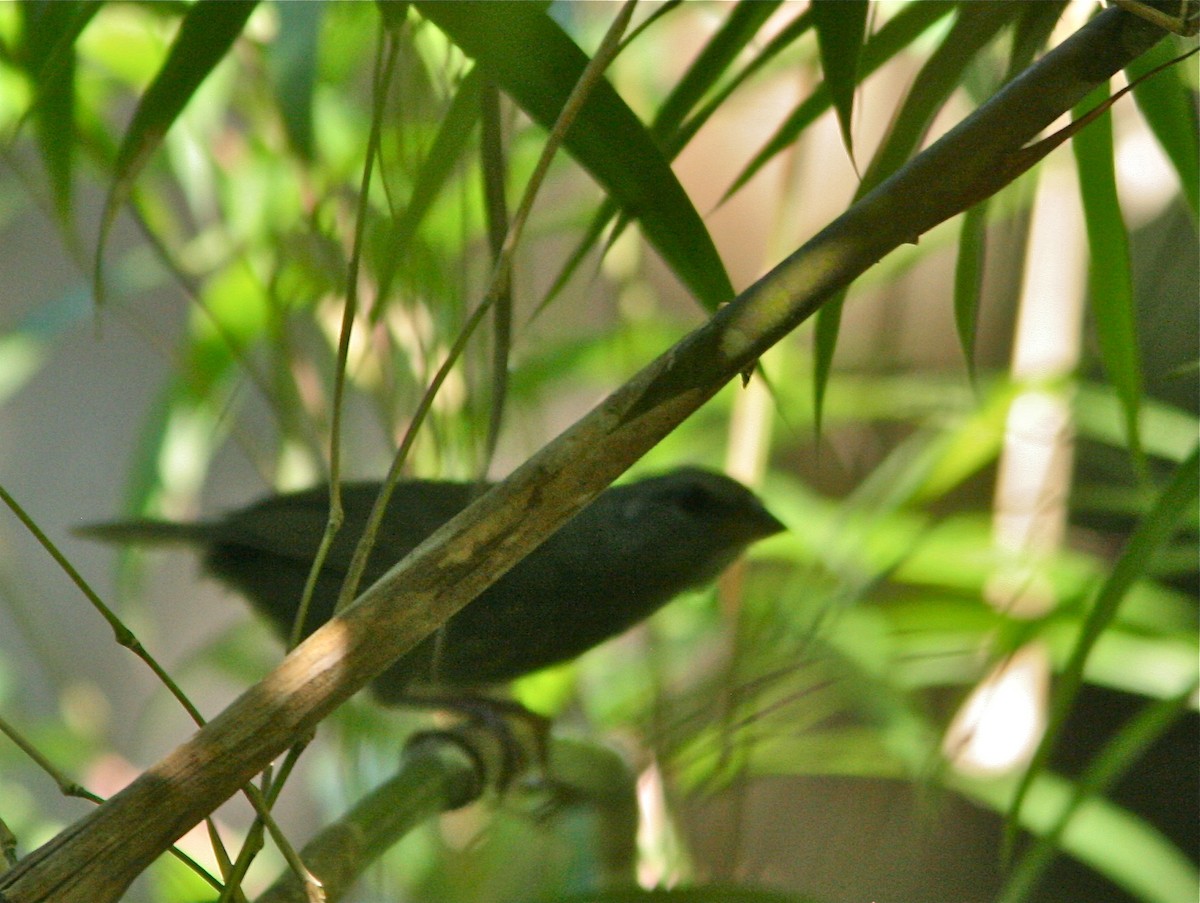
[[767, 524]]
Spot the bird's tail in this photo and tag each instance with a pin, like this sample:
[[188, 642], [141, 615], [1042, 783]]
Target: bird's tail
[[146, 532]]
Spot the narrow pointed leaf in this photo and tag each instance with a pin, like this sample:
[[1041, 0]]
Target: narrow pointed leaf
[[738, 30], [50, 30], [442, 161], [1114, 760], [670, 130], [1124, 848], [909, 24], [293, 68], [1152, 535], [537, 64], [840, 26], [968, 280], [976, 26], [1169, 108], [1110, 283], [1031, 32], [207, 32], [973, 30], [784, 38]]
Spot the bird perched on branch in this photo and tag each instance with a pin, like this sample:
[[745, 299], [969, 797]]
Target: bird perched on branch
[[630, 551]]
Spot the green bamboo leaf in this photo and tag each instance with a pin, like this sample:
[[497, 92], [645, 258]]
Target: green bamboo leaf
[[1118, 755], [785, 38], [50, 30], [292, 65], [662, 9], [1168, 106], [669, 129], [1030, 34], [711, 894], [1110, 283], [1168, 432], [710, 66], [393, 13], [495, 176], [445, 154], [968, 279], [840, 26], [909, 24], [1151, 535], [537, 64], [1114, 842], [206, 33], [973, 30]]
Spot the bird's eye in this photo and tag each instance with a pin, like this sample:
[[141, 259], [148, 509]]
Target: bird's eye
[[695, 500]]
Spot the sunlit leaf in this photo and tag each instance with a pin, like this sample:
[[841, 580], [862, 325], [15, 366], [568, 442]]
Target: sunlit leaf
[[440, 163], [537, 64], [1167, 432], [205, 35]]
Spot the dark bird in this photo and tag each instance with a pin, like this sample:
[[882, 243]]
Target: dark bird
[[630, 551]]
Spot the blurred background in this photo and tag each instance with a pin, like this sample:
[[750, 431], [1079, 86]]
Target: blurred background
[[843, 719]]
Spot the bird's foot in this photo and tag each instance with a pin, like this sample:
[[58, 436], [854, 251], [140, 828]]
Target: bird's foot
[[522, 737]]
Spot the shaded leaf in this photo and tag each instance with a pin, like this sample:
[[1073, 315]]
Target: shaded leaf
[[1151, 535], [1127, 850], [735, 33], [392, 12], [50, 30], [840, 26], [669, 129], [537, 64], [293, 68], [1169, 108], [974, 28], [909, 24], [785, 37], [1114, 760], [495, 171], [968, 279], [1110, 283], [1031, 32], [714, 894]]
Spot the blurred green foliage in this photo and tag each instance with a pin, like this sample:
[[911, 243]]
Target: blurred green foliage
[[228, 141]]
